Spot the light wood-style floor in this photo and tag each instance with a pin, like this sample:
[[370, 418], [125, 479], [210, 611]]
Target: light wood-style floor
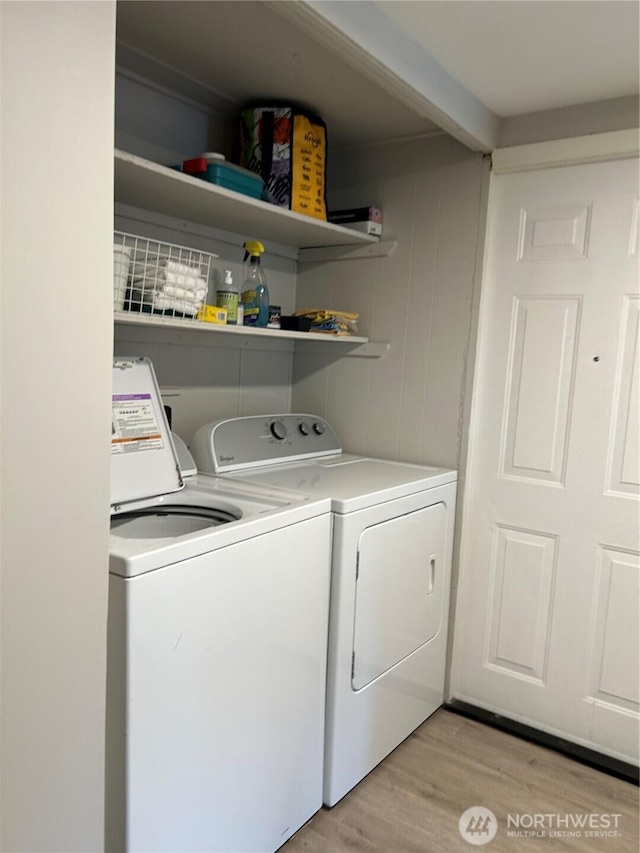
[[412, 802]]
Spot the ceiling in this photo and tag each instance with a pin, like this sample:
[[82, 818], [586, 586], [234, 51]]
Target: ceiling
[[525, 56], [384, 70]]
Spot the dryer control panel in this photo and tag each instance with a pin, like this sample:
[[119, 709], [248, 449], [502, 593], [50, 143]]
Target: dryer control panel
[[236, 444]]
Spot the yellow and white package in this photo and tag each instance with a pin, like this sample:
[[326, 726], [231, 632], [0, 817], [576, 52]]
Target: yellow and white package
[[212, 314]]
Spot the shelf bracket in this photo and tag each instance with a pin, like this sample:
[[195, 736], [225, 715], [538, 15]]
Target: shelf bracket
[[347, 253]]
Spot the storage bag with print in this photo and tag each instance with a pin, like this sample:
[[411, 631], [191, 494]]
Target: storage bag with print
[[287, 146]]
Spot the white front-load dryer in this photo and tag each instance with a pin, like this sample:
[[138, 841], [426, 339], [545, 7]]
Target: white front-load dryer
[[392, 539], [217, 646]]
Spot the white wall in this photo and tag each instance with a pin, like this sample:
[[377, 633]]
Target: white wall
[[163, 128], [204, 377], [57, 216], [410, 404], [203, 382], [201, 377]]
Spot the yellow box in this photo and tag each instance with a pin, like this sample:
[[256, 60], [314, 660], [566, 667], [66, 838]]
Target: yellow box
[[212, 314]]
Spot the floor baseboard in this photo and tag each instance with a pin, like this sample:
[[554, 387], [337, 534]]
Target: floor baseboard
[[605, 763]]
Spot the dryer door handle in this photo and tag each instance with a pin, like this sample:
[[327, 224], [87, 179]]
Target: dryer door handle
[[432, 573]]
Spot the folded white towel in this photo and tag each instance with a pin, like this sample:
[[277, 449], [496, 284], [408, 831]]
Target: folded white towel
[[184, 292], [183, 306], [161, 279], [150, 295], [183, 280], [179, 268], [146, 263]]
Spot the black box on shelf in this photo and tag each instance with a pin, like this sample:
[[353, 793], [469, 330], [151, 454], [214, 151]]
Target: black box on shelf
[[355, 214]]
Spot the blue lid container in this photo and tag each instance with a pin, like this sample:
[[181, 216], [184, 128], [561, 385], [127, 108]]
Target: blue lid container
[[236, 178]]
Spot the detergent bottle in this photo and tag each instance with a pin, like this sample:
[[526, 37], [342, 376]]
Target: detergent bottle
[[255, 293]]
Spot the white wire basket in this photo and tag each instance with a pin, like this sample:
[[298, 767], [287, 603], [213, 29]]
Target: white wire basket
[[161, 279]]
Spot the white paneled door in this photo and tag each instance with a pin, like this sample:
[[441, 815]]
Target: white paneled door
[[547, 628]]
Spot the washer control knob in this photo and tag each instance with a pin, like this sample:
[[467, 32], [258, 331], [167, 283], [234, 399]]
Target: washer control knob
[[319, 428], [278, 430], [304, 428]]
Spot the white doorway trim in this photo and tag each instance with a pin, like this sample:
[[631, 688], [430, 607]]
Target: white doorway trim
[[597, 148]]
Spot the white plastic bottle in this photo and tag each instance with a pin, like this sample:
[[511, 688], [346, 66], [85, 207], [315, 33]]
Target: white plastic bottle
[[228, 297]]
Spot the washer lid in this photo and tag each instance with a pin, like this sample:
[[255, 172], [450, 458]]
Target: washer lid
[[144, 463]]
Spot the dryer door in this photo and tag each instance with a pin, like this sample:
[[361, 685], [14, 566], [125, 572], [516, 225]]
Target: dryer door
[[399, 590]]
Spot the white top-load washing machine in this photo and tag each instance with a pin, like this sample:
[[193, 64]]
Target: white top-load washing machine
[[391, 565], [217, 646]]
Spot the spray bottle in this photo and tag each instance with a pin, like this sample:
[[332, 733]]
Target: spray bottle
[[255, 293]]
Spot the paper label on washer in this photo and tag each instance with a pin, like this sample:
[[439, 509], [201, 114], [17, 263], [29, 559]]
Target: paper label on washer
[[134, 425]]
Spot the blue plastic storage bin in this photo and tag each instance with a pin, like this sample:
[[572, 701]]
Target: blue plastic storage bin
[[233, 177]]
